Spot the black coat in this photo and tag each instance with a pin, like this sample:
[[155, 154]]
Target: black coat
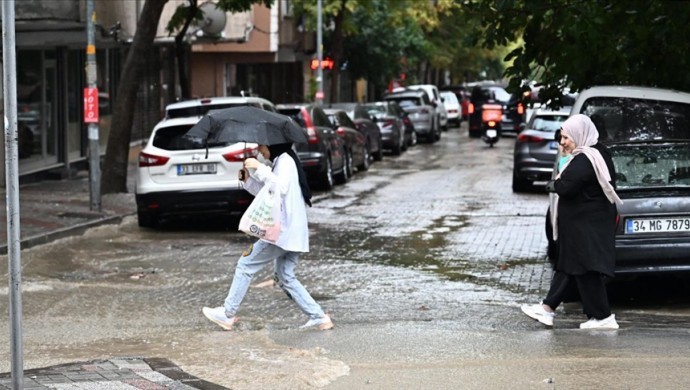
[[586, 218]]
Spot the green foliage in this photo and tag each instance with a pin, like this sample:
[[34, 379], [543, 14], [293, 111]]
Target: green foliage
[[585, 43]]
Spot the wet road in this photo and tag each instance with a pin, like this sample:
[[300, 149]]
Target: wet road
[[423, 262]]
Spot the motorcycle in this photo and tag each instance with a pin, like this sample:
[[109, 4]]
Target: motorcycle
[[491, 123]]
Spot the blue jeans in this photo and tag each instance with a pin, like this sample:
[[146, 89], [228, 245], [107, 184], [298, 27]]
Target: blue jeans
[[252, 261]]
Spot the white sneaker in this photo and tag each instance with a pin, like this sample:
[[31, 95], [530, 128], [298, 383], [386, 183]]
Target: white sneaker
[[217, 315], [322, 323], [607, 323], [538, 313]]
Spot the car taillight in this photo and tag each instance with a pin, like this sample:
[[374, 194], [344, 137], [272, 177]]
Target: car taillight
[[618, 220], [150, 160], [340, 131], [406, 120], [241, 155], [388, 122], [520, 109], [529, 138], [312, 135], [470, 108]]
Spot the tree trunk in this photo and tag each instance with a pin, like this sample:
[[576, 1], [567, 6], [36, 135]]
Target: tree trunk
[[337, 53], [181, 51], [114, 178]]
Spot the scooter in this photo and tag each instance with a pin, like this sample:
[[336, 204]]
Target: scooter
[[491, 123]]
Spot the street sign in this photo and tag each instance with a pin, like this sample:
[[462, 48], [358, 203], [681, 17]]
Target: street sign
[[90, 105]]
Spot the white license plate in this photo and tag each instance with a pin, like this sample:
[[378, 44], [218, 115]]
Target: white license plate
[[657, 225], [491, 133], [196, 169]]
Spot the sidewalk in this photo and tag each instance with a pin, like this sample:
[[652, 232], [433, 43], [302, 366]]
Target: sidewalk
[[53, 209]]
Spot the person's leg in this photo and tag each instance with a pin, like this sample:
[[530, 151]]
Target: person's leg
[[255, 258], [595, 300], [561, 287], [285, 276]]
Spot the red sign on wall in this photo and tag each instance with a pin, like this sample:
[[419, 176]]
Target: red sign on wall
[[90, 105]]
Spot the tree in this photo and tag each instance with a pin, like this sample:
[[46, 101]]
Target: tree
[[114, 178], [584, 43]]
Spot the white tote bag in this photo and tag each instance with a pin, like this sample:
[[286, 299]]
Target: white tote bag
[[262, 218]]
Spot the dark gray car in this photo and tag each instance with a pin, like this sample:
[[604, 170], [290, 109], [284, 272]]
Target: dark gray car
[[536, 149], [647, 133]]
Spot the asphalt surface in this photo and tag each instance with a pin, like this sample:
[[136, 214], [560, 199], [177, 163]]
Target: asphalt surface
[[53, 209]]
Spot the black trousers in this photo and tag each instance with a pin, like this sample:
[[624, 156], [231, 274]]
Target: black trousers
[[591, 287]]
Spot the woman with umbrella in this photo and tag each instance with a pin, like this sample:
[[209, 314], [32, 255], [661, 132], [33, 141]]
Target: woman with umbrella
[[289, 181]]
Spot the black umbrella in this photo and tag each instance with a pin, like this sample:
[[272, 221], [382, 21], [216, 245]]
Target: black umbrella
[[246, 124]]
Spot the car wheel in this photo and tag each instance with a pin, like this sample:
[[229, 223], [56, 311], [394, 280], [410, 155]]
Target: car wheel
[[413, 139], [520, 184], [326, 180], [378, 156], [344, 175], [397, 148], [365, 161], [147, 219]]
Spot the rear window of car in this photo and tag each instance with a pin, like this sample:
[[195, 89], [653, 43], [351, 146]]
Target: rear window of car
[[651, 165], [549, 123], [629, 119], [172, 138], [407, 101], [294, 113], [202, 110]]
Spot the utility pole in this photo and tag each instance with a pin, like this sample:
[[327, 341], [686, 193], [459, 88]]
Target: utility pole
[[91, 110], [9, 72], [319, 51]]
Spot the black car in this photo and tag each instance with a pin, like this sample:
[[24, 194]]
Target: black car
[[355, 142], [323, 157], [364, 123]]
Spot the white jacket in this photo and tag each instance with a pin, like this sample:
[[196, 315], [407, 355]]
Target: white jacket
[[294, 230]]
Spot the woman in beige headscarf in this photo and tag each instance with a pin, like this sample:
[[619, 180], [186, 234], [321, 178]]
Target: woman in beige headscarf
[[584, 218]]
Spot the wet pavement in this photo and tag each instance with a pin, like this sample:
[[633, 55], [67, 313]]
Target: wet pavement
[[422, 262]]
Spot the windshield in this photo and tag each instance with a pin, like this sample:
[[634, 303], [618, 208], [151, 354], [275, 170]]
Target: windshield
[[628, 119], [651, 165]]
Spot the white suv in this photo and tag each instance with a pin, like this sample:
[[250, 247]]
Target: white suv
[[435, 98], [176, 176]]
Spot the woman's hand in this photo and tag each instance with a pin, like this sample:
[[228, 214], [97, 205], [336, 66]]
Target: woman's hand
[[252, 163], [242, 175]]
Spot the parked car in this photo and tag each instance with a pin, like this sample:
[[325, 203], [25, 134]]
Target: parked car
[[452, 105], [323, 157], [178, 177], [391, 123], [199, 107], [647, 131], [364, 123], [536, 148], [462, 93], [356, 151], [436, 100], [421, 111], [513, 108]]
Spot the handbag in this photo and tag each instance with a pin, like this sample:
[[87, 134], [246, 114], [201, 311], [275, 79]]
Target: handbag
[[262, 217]]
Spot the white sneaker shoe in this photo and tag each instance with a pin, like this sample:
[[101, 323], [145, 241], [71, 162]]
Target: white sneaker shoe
[[538, 313], [322, 323], [607, 323], [217, 315]]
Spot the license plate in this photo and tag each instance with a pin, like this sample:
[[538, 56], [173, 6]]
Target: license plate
[[657, 225], [491, 133], [196, 169], [553, 145]]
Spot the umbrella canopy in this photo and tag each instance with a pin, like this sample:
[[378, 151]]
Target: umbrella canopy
[[246, 124]]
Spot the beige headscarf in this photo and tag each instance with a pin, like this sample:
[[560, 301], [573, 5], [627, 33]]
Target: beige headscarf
[[584, 134]]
